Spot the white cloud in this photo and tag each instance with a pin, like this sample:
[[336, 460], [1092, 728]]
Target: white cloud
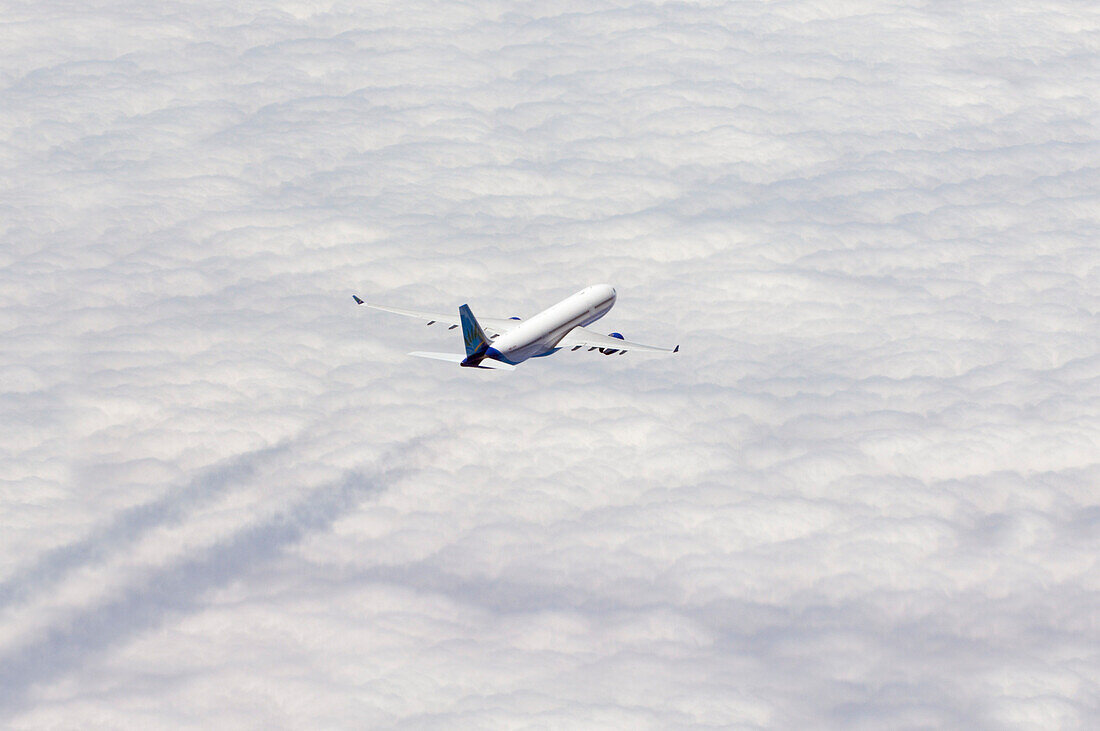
[[862, 495]]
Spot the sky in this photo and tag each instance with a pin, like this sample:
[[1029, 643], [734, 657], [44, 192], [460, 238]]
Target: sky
[[863, 495]]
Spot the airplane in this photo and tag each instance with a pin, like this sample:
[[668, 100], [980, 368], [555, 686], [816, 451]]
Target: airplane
[[502, 344]]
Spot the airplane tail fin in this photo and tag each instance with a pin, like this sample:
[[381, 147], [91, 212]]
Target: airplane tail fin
[[472, 334]]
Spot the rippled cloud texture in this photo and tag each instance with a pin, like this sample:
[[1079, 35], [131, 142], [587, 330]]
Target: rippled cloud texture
[[864, 494]]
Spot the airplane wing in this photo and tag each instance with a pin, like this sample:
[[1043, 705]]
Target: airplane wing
[[580, 337], [494, 326]]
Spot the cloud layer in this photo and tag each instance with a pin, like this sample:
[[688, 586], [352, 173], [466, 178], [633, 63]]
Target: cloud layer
[[863, 495]]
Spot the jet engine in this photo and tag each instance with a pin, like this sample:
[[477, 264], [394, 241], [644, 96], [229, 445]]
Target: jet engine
[[612, 351]]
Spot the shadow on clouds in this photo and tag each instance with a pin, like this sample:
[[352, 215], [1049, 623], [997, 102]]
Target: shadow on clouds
[[171, 590], [127, 526]]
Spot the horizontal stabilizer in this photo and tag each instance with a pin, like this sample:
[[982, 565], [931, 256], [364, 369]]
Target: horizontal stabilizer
[[458, 358], [452, 357], [496, 365]]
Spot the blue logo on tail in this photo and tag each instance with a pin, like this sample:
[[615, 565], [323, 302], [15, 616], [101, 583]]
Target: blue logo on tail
[[472, 334]]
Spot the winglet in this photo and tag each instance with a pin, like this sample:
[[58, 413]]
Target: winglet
[[357, 300], [676, 349]]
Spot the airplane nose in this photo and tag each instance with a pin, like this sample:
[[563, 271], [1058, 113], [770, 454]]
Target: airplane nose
[[604, 291]]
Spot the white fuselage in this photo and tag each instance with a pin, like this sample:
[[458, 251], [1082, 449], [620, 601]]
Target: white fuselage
[[540, 334]]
